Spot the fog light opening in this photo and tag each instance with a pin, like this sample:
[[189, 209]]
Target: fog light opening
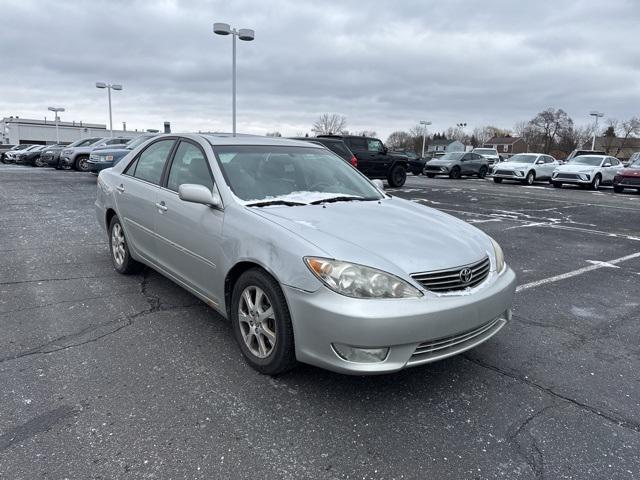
[[360, 355]]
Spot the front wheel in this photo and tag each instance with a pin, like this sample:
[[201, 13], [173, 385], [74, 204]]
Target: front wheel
[[397, 176], [38, 162], [262, 323], [595, 184], [530, 178], [483, 172], [82, 164], [455, 173]]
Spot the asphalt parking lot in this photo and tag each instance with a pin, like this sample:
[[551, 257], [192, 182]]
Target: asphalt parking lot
[[106, 376]]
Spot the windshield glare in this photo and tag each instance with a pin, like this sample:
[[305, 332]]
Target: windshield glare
[[451, 156], [137, 141], [586, 160], [296, 174], [522, 158]]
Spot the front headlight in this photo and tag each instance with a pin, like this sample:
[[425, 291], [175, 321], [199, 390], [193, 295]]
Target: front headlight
[[106, 158], [499, 256], [358, 281]]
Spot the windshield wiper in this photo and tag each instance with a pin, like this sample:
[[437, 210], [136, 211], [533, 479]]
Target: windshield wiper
[[267, 203], [344, 198]]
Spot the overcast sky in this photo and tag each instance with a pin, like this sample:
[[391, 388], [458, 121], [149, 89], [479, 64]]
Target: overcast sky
[[384, 65]]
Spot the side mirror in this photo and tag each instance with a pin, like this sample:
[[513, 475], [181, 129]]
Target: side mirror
[[540, 162], [384, 149], [191, 192], [607, 164], [378, 183]]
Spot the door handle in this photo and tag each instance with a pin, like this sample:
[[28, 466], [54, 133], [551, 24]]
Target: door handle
[[161, 206], [120, 188]]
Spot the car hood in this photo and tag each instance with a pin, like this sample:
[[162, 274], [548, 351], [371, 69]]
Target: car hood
[[575, 168], [110, 150], [394, 235], [630, 172]]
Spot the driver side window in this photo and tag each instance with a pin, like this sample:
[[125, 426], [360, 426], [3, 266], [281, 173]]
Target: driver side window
[[189, 166], [374, 145]]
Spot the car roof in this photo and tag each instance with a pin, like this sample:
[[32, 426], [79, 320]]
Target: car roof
[[228, 139]]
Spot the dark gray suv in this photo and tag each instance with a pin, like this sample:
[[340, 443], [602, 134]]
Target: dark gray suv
[[457, 164]]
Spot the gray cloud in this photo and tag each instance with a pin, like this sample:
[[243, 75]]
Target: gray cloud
[[384, 65]]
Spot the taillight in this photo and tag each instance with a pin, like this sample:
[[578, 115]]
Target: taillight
[[354, 161]]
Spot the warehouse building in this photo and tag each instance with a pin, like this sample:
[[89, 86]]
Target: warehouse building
[[15, 130]]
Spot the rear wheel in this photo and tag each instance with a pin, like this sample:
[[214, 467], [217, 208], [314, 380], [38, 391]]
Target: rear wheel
[[619, 189], [120, 255], [82, 163], [397, 176], [557, 184], [455, 173], [595, 184], [262, 323], [483, 172]]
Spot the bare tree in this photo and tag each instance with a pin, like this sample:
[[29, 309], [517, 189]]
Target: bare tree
[[549, 124], [482, 134], [400, 140], [329, 123], [628, 128]]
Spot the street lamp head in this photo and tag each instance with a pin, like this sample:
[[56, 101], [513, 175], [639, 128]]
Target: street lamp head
[[221, 28], [116, 87], [424, 122], [595, 113], [101, 85], [56, 109], [246, 34]]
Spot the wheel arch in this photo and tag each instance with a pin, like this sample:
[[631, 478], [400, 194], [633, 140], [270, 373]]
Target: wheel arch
[[234, 274]]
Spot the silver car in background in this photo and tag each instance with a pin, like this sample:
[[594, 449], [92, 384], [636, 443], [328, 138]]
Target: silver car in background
[[303, 254], [587, 171], [526, 168]]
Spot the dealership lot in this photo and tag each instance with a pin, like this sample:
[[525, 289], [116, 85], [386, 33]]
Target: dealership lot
[[104, 375]]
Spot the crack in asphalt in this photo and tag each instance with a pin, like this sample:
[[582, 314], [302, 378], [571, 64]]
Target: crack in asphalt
[[611, 417]]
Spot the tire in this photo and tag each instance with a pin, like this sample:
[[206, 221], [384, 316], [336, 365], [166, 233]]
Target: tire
[[595, 185], [80, 164], [397, 176], [271, 357], [483, 172], [38, 162], [557, 184], [618, 189], [431, 175], [497, 180], [120, 256], [455, 173], [530, 178]]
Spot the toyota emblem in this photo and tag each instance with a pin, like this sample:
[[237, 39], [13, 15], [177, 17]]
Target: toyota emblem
[[466, 275]]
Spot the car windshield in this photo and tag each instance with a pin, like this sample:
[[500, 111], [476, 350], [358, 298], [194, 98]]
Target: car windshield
[[133, 143], [291, 175], [522, 158], [586, 160], [83, 142], [451, 156], [635, 163], [485, 151]]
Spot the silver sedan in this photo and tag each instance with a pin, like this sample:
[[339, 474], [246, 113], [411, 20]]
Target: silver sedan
[[304, 255]]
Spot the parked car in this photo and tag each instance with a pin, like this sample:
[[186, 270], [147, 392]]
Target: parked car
[[633, 159], [9, 148], [457, 164], [587, 171], [628, 177], [375, 160], [525, 168], [51, 155], [284, 239], [336, 145], [416, 163], [577, 153], [108, 156], [491, 154], [5, 147], [77, 156], [15, 156], [32, 156]]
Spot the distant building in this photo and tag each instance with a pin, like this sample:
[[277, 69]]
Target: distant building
[[16, 130], [616, 146], [445, 145], [507, 146]]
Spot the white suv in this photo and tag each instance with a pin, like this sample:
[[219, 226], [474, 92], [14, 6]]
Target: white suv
[[587, 171], [525, 168]]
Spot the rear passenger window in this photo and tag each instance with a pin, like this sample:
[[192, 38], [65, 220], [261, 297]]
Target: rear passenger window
[[150, 162], [189, 166], [358, 143]]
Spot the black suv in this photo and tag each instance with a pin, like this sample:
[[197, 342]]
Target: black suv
[[375, 160], [336, 145]]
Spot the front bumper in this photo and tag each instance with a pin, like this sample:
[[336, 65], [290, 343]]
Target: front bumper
[[96, 166], [507, 174], [627, 182], [584, 178], [436, 170], [410, 328], [51, 159], [66, 161]]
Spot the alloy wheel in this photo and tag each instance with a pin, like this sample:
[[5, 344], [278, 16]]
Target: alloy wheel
[[117, 244], [257, 321], [83, 165]]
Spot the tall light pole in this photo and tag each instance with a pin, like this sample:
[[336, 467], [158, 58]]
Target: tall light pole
[[424, 133], [55, 111], [245, 34], [597, 115], [108, 86]]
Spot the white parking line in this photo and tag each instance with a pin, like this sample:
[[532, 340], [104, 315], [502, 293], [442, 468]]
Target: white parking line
[[580, 271]]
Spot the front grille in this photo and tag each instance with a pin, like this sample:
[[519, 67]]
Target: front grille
[[93, 157], [568, 176], [454, 279], [503, 172], [447, 346], [630, 181], [433, 168]]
